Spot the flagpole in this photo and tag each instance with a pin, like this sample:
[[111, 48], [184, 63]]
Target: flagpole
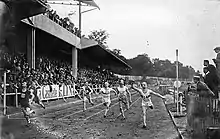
[[80, 19], [177, 81]]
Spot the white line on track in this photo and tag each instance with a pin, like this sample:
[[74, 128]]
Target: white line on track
[[110, 107], [82, 110], [98, 112], [129, 107], [74, 107], [90, 108], [56, 106], [16, 118]]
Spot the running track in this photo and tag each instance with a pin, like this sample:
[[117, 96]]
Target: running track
[[71, 122]]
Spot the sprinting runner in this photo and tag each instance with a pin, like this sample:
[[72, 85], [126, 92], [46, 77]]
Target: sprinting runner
[[33, 88], [26, 98], [146, 99], [106, 96], [86, 93], [123, 94]]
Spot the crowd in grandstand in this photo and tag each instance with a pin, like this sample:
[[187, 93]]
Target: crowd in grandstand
[[50, 71], [64, 22]]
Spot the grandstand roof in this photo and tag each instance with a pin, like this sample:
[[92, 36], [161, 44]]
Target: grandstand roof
[[96, 52], [87, 2]]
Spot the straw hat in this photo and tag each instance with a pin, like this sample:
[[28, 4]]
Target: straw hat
[[217, 47]]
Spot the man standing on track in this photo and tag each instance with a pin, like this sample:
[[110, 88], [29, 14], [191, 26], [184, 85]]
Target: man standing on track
[[123, 92], [146, 99], [26, 98], [106, 96], [86, 92]]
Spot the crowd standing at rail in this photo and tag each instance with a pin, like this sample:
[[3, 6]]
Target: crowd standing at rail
[[64, 22]]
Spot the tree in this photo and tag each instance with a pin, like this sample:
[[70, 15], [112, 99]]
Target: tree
[[100, 36], [141, 65]]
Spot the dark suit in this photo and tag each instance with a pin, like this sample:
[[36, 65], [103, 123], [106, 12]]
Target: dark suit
[[211, 80]]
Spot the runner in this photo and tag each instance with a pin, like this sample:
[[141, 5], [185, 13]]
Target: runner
[[106, 96], [86, 92], [33, 88], [146, 99], [123, 94], [26, 98]]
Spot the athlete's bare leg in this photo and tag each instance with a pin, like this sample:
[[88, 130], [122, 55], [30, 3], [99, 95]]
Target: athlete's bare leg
[[84, 103], [127, 104], [39, 102], [121, 109], [90, 99], [77, 94], [144, 116], [107, 109]]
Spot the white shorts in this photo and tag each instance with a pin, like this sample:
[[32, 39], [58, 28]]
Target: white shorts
[[147, 104], [106, 101]]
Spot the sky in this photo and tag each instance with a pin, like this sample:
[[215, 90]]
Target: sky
[[191, 26]]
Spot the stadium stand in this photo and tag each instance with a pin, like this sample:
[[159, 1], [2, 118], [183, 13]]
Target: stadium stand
[[64, 22], [51, 71]]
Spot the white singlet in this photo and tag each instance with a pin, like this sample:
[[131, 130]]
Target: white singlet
[[106, 94], [122, 91], [146, 99]]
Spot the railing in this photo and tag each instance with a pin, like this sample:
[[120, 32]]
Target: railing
[[45, 93], [202, 113], [63, 23]]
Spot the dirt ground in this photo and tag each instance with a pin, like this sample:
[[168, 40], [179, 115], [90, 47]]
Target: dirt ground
[[70, 122]]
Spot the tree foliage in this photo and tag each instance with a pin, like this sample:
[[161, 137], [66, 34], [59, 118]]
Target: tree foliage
[[142, 64], [100, 36]]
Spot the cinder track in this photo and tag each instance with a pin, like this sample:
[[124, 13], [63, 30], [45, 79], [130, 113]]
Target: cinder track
[[73, 123]]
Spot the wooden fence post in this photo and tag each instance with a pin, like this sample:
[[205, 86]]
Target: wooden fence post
[[4, 98], [16, 97]]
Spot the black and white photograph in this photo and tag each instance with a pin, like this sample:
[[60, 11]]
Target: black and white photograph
[[109, 69]]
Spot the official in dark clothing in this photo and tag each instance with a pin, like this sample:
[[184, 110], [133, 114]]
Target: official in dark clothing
[[210, 66], [201, 88], [211, 80]]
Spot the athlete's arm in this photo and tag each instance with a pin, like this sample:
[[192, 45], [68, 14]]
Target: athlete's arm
[[157, 94], [129, 94], [90, 89], [113, 90], [101, 91], [32, 95], [138, 90], [116, 91]]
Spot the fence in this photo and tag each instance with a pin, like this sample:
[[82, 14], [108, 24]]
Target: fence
[[202, 114], [45, 93]]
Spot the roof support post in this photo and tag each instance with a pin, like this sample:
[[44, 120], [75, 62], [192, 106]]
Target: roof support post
[[31, 47], [74, 61]]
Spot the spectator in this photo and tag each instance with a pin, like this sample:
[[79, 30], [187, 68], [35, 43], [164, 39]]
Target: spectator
[[211, 80], [210, 66], [217, 60]]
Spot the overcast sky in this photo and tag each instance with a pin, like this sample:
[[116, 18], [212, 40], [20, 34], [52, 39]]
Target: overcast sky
[[192, 26]]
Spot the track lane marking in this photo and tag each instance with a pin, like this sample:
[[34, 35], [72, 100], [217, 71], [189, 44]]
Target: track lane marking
[[82, 110], [129, 107], [134, 94], [109, 108]]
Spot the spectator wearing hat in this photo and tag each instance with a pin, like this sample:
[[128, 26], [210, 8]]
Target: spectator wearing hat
[[201, 88], [210, 66], [217, 60]]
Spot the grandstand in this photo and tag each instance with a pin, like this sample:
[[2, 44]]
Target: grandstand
[[47, 48]]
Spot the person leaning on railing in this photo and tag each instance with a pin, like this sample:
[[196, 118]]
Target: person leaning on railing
[[200, 88]]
